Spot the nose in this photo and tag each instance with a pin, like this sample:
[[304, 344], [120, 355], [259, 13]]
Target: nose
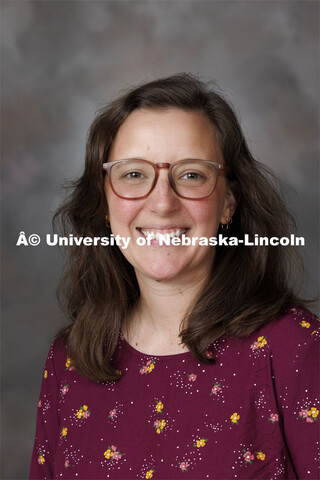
[[163, 199]]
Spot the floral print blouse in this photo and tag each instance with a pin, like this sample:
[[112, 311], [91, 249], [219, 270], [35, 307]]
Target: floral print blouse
[[253, 414]]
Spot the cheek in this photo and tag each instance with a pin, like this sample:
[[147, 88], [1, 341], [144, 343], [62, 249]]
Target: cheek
[[122, 212], [206, 212]]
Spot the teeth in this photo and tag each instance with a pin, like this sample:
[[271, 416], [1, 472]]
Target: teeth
[[156, 235]]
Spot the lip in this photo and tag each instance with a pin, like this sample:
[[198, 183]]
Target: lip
[[163, 227]]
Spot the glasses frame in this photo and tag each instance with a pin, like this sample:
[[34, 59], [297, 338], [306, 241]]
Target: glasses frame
[[157, 167]]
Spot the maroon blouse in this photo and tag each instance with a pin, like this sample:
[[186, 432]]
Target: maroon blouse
[[251, 415]]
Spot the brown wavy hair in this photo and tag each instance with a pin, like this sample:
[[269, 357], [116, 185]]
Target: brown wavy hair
[[248, 286]]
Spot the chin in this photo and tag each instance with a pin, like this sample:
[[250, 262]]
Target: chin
[[161, 272]]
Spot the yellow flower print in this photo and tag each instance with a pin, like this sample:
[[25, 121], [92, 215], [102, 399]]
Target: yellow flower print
[[149, 474], [112, 453], [69, 365], [304, 324], [45, 374], [159, 425], [41, 459], [64, 432], [262, 342], [234, 418], [147, 368], [83, 412], [310, 415], [108, 453], [159, 407], [313, 412], [201, 443], [261, 456]]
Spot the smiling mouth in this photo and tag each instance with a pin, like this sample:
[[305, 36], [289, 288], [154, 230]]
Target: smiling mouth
[[156, 234]]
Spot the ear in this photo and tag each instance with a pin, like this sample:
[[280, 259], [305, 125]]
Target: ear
[[230, 205]]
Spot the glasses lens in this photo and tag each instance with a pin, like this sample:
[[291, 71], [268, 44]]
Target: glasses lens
[[132, 178], [194, 179]]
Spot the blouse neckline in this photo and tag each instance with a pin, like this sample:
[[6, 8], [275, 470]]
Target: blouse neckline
[[136, 352]]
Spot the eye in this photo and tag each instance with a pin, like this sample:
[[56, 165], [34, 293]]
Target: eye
[[133, 175], [191, 176]]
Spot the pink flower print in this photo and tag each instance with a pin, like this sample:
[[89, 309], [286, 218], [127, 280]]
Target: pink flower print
[[112, 413], [86, 414], [156, 423], [64, 389], [215, 389], [209, 354], [309, 415], [303, 413], [259, 343], [39, 404], [184, 466], [248, 457], [192, 377], [112, 453], [274, 417], [147, 368], [117, 455], [309, 420], [254, 346], [67, 463]]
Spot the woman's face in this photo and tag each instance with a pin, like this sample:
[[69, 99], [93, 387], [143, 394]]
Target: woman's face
[[168, 135]]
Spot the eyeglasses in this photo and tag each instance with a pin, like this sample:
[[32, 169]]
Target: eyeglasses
[[134, 179]]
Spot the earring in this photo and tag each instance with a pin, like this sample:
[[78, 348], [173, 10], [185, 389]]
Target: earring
[[225, 226], [108, 225]]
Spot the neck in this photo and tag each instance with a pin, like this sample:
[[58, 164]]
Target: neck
[[154, 326]]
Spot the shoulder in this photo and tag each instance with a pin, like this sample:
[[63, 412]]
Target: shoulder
[[57, 358], [290, 340], [297, 327], [293, 345], [58, 349]]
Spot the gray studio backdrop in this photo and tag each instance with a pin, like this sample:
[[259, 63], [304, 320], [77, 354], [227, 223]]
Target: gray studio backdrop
[[61, 60]]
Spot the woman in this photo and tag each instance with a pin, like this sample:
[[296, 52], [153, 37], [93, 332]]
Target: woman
[[180, 361]]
